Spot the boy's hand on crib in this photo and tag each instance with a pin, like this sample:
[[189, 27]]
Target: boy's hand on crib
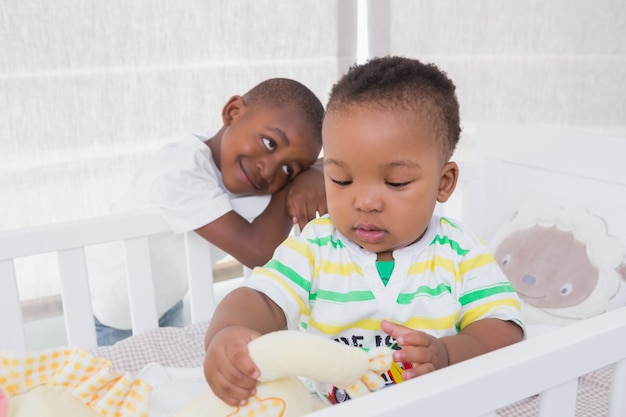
[[228, 367], [306, 197], [424, 352]]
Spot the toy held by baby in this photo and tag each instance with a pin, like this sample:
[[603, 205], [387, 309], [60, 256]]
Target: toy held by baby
[[281, 358]]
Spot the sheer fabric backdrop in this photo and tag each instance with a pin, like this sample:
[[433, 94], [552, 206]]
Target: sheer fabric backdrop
[[89, 89], [560, 63]]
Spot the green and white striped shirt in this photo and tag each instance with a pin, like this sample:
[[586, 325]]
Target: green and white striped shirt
[[326, 284]]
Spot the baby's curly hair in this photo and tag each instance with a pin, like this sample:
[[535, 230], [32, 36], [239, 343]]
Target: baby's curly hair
[[399, 82], [282, 92]]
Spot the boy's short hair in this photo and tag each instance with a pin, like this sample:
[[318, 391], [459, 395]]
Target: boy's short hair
[[398, 82], [281, 92]]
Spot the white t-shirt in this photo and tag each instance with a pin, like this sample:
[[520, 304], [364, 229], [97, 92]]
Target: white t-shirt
[[184, 184]]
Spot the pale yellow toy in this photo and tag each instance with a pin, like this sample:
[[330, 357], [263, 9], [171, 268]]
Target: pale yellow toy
[[284, 356]]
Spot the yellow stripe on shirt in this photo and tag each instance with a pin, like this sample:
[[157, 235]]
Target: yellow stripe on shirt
[[303, 308], [479, 311]]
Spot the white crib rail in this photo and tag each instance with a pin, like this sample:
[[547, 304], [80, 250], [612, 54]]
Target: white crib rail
[[548, 365], [68, 240]]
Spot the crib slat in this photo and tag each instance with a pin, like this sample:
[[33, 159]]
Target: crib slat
[[617, 403], [200, 276], [484, 207], [559, 401], [76, 299], [11, 320], [143, 314]]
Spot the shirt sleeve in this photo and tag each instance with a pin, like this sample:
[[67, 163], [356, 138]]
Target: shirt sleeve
[[183, 183], [485, 291], [189, 199], [287, 278]]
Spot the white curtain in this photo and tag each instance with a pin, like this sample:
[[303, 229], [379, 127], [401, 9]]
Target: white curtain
[[89, 89], [560, 63]]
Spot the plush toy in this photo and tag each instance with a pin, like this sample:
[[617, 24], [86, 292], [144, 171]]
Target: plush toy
[[284, 356], [562, 263]]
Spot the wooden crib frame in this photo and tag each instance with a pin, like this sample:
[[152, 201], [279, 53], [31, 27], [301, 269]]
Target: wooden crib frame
[[548, 365], [69, 240]]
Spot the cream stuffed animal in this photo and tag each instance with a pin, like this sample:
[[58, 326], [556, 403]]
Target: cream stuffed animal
[[562, 262], [283, 356]]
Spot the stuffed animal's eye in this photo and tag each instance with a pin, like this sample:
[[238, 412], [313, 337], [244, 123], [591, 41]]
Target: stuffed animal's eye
[[566, 289], [505, 260]]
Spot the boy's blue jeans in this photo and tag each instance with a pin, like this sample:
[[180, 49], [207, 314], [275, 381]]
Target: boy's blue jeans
[[106, 335]]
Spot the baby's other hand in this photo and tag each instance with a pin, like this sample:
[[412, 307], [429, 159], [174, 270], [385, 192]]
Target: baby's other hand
[[307, 196], [424, 352], [228, 368]]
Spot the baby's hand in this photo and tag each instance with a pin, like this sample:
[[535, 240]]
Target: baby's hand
[[424, 352], [307, 196], [228, 368]]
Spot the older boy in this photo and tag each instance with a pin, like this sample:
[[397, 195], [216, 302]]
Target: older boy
[[218, 186]]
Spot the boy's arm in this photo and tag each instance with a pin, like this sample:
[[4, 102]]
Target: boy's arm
[[243, 315], [251, 243]]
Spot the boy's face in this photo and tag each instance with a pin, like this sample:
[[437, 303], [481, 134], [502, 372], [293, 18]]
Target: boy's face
[[262, 149], [384, 172]]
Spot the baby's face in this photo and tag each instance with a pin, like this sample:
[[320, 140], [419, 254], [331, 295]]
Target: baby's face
[[264, 148], [383, 173]]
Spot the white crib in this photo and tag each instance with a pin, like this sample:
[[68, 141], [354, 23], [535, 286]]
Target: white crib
[[511, 165], [69, 241]]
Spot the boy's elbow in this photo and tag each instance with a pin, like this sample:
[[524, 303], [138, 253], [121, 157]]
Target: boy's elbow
[[256, 256]]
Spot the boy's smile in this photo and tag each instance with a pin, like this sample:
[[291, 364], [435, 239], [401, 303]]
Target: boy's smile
[[383, 198], [249, 181]]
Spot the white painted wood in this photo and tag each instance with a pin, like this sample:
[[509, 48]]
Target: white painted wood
[[11, 324], [559, 400], [617, 404], [143, 313], [76, 299], [200, 270], [514, 162], [551, 148], [488, 382], [68, 240], [480, 178]]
